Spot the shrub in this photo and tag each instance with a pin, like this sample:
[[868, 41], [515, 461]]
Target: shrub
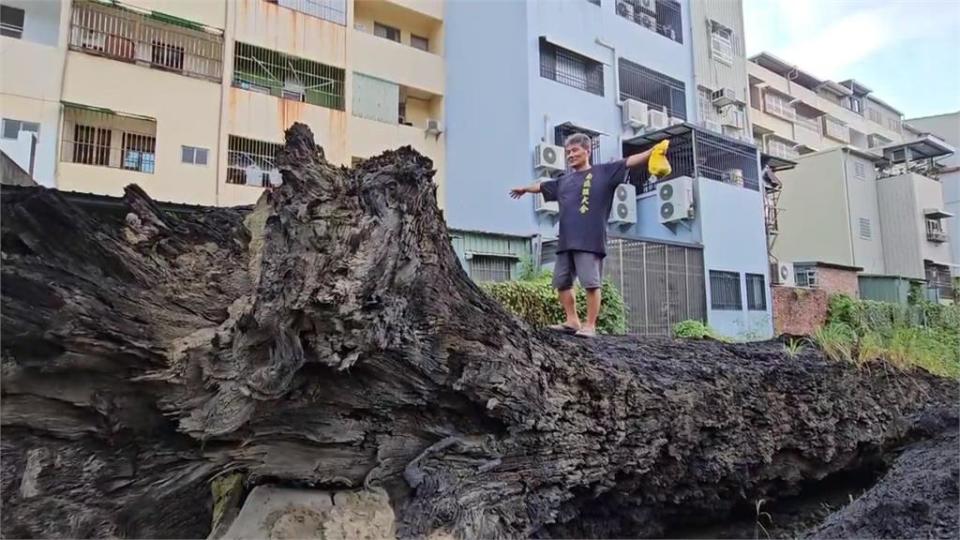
[[693, 329], [535, 301]]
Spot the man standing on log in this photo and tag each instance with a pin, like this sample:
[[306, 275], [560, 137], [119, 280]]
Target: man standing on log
[[585, 195]]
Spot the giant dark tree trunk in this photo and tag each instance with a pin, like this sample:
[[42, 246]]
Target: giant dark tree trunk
[[330, 339]]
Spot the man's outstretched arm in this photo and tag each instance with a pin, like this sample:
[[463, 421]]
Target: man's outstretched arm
[[643, 157], [518, 192]]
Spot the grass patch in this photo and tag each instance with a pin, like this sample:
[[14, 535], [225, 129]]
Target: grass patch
[[692, 329], [924, 335]]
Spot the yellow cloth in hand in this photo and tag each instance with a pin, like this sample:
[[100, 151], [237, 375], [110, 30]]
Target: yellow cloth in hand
[[658, 164]]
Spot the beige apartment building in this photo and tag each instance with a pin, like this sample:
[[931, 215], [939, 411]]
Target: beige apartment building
[[190, 99], [795, 113]]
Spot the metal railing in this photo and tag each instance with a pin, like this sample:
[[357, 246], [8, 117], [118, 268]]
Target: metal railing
[[660, 16], [702, 154], [104, 139], [810, 124], [653, 88], [252, 163], [661, 284], [288, 77], [328, 10], [150, 40], [725, 291]]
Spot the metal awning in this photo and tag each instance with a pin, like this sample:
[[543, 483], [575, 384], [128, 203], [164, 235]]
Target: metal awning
[[926, 147], [836, 88], [564, 45], [857, 88], [776, 163], [653, 137], [936, 213]]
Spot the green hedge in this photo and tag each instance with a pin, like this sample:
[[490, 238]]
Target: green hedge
[[535, 301]]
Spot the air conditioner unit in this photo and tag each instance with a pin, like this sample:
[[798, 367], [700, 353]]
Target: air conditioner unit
[[675, 121], [649, 5], [434, 127], [625, 9], [723, 97], [634, 113], [624, 209], [648, 22], [733, 117], [675, 199], [549, 157], [713, 126], [782, 274], [543, 207], [657, 119]]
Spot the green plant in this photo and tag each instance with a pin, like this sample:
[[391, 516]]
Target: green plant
[[870, 347], [793, 348], [837, 341], [693, 329], [535, 301]]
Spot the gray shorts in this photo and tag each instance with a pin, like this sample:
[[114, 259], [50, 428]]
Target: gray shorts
[[586, 266]]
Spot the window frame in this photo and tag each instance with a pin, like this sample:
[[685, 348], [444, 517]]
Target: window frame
[[553, 57], [195, 151], [507, 261], [425, 40], [721, 36], [8, 28], [718, 304], [752, 300], [20, 128], [386, 28]]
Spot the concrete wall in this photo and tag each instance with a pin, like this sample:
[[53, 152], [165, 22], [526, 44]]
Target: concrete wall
[[862, 202], [41, 20], [947, 127], [708, 71], [814, 221], [734, 241], [929, 194], [901, 227]]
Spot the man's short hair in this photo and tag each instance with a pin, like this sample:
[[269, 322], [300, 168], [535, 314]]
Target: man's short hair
[[579, 139]]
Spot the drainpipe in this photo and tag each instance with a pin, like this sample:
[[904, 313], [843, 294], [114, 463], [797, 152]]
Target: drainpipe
[[616, 88]]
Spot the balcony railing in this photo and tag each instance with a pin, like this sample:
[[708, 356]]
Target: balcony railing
[[936, 236], [157, 40]]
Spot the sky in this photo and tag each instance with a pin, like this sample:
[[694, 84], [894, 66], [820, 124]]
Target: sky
[[906, 51]]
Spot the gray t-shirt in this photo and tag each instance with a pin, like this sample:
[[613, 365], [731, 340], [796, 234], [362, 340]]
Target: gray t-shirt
[[585, 198]]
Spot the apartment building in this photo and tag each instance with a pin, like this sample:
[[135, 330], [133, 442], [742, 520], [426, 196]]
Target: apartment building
[[947, 127], [628, 73], [795, 113], [190, 99], [880, 211]]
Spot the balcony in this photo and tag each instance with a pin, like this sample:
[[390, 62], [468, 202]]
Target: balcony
[[660, 16], [835, 129], [396, 62], [938, 237], [807, 132]]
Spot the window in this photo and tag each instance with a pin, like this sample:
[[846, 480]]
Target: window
[[138, 152], [756, 292], [660, 16], [193, 155], [154, 40], [330, 10], [782, 149], [287, 77], [11, 22], [779, 105], [894, 123], [865, 232], [490, 268], [91, 145], [13, 128], [725, 291], [859, 169], [653, 88], [165, 55], [561, 132], [387, 32], [419, 42], [806, 276], [835, 129], [569, 68], [252, 163], [874, 115], [721, 43]]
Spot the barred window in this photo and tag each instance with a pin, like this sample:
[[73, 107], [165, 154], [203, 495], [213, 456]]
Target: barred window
[[653, 88], [721, 44], [569, 68], [866, 231], [252, 163], [725, 291], [561, 132], [94, 136], [756, 292], [288, 77], [778, 105], [490, 268], [386, 32], [329, 10]]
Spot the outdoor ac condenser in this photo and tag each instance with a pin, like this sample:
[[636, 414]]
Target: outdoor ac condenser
[[675, 199], [624, 208], [549, 157], [782, 274]]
